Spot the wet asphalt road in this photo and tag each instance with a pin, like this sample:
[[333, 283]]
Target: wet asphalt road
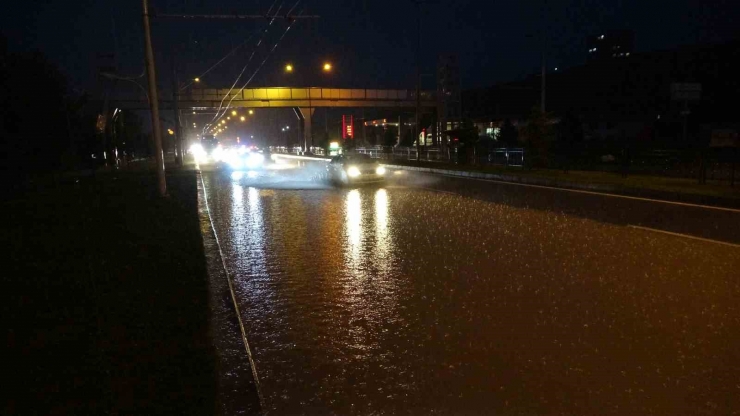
[[440, 295]]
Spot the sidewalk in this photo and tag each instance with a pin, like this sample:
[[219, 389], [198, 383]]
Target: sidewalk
[[106, 299], [672, 189]]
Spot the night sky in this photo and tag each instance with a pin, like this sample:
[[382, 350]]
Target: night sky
[[370, 42]]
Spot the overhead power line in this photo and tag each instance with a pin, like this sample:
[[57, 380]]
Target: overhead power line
[[217, 63], [259, 42], [234, 16], [257, 69]]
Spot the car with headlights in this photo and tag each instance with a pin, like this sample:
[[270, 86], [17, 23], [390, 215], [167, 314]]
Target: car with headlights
[[239, 158], [355, 168]]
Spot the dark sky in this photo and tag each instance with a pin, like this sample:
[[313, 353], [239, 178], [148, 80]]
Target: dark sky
[[370, 42]]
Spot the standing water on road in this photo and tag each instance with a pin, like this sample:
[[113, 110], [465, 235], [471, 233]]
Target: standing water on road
[[386, 299]]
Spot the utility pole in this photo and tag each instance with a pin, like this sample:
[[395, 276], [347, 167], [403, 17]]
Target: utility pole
[[154, 102], [418, 79], [542, 86], [179, 156]]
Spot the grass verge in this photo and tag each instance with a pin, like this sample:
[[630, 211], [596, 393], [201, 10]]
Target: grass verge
[[106, 299]]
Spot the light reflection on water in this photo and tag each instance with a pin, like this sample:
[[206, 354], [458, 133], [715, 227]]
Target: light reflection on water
[[317, 284], [353, 226], [383, 242]]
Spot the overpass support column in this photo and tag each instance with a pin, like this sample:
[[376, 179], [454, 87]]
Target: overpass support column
[[307, 115]]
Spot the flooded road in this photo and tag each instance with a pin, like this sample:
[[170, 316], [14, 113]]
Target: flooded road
[[402, 299]]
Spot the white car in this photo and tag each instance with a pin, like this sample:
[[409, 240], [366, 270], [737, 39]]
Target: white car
[[355, 168]]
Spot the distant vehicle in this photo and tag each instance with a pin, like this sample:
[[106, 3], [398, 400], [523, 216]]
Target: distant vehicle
[[239, 157], [355, 168], [209, 143]]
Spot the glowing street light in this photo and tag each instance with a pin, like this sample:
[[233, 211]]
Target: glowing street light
[[228, 118], [251, 112], [288, 68], [327, 67], [197, 79], [242, 118], [233, 112]]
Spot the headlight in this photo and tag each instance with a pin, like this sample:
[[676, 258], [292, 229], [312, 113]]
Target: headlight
[[255, 159], [380, 170], [231, 158], [353, 172], [234, 163], [198, 153], [218, 154]]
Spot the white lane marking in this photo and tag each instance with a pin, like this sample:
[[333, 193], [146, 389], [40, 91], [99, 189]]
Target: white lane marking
[[683, 235], [685, 204]]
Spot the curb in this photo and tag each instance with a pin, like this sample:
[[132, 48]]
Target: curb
[[217, 265]]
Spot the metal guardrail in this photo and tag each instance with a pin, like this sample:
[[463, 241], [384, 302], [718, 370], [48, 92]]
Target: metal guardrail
[[297, 150], [500, 156]]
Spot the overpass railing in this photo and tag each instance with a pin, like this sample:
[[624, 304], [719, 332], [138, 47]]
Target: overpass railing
[[280, 93]]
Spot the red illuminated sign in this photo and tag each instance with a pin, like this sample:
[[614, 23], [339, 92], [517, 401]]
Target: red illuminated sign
[[347, 127]]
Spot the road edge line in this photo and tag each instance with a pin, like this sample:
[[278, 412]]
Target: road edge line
[[233, 296], [707, 240]]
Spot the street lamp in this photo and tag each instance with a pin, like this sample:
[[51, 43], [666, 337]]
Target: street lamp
[[287, 127], [288, 68], [242, 118], [197, 80], [233, 112], [327, 67], [251, 112], [228, 118]]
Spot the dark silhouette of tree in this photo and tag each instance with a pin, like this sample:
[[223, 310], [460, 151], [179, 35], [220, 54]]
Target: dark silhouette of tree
[[389, 137], [35, 129], [508, 136], [569, 143], [408, 138], [537, 136]]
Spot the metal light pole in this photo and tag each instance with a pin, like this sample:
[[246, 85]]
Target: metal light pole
[[418, 78], [542, 86], [179, 156], [154, 102]]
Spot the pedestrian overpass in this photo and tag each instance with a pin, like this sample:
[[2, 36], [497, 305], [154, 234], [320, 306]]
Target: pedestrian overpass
[[304, 100]]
